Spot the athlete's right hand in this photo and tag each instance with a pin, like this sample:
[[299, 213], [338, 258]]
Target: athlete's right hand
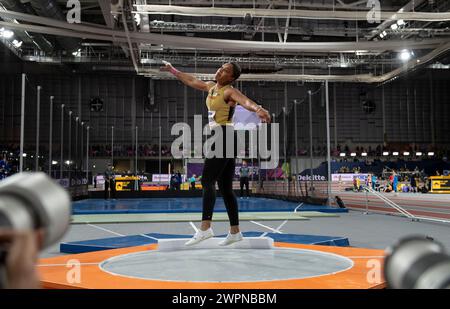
[[167, 66], [264, 115]]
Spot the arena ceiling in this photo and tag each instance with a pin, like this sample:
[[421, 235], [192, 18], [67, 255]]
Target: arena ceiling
[[289, 40]]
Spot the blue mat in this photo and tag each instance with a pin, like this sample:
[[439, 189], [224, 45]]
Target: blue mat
[[140, 240], [184, 205]]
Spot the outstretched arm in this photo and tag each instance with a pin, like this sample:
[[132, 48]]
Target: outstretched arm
[[235, 95], [186, 78]]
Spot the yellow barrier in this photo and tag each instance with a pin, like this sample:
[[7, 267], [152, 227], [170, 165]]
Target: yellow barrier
[[125, 183], [187, 186], [440, 184]]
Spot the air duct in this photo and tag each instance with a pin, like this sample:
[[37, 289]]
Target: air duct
[[49, 8], [281, 13], [38, 40]]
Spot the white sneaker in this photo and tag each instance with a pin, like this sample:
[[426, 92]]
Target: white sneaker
[[200, 236], [231, 238]]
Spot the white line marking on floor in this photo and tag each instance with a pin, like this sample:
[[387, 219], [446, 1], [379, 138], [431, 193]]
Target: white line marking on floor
[[143, 235], [103, 229], [281, 225], [193, 226], [267, 227], [65, 265], [300, 205], [365, 257], [277, 229]]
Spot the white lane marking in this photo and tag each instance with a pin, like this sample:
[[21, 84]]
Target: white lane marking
[[193, 226], [143, 235], [267, 227], [281, 225], [300, 205], [104, 229], [65, 265], [366, 257]]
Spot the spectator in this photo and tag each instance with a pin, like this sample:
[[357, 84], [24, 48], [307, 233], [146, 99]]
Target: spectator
[[110, 181], [374, 181], [395, 181], [179, 180], [173, 182], [5, 168], [369, 181], [391, 179], [413, 183], [192, 181], [244, 172]]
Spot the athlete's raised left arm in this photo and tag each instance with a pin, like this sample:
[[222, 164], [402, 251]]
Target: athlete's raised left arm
[[234, 95]]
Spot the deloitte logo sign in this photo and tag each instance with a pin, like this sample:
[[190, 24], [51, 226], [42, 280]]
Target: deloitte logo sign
[[314, 177]]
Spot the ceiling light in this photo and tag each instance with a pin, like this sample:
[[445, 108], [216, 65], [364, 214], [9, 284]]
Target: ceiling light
[[406, 153], [342, 154], [77, 53], [395, 153], [431, 153], [364, 154], [353, 154], [400, 22], [137, 18], [385, 153], [405, 55], [7, 34], [418, 154], [394, 27], [17, 44]]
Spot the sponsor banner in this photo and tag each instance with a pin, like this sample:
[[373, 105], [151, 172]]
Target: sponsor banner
[[100, 179], [197, 170], [253, 170], [348, 177], [64, 182], [123, 185], [161, 178], [314, 178]]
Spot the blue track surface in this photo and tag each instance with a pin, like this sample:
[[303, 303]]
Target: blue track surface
[[140, 240], [180, 205]]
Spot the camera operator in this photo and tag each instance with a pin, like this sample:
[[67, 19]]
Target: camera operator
[[19, 263], [34, 214]]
